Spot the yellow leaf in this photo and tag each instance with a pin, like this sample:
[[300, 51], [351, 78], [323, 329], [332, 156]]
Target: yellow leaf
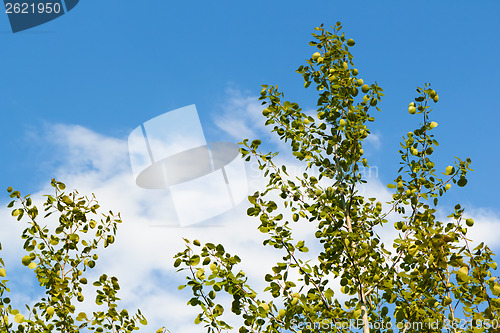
[[464, 270], [18, 318], [26, 260], [496, 289], [50, 310]]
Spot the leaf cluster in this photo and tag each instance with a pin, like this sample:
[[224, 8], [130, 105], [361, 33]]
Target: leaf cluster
[[60, 257], [428, 277]]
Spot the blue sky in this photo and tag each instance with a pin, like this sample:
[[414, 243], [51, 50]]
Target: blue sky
[[109, 66]]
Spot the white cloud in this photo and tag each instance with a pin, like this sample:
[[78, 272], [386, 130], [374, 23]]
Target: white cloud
[[485, 228], [149, 237], [241, 116], [374, 140]]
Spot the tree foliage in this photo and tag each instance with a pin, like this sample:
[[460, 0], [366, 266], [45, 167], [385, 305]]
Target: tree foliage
[[430, 280], [60, 257]]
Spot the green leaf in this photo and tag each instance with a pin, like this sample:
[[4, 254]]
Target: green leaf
[[81, 316], [345, 289], [384, 311], [329, 293], [462, 182], [26, 260], [195, 260], [177, 262]]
